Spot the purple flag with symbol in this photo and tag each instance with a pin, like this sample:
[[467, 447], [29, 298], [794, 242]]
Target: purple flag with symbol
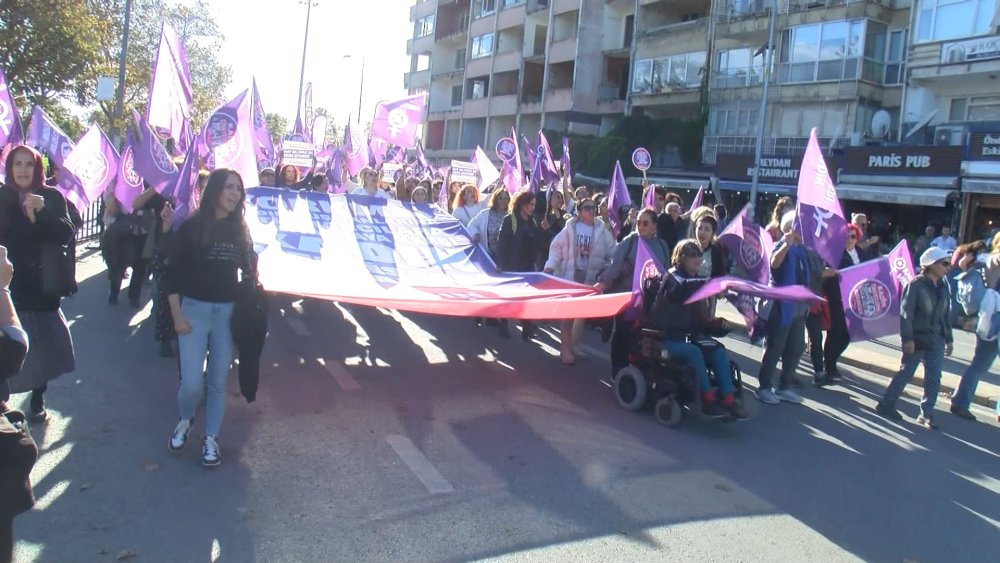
[[646, 267], [696, 203], [170, 93], [151, 160], [750, 246], [264, 145], [820, 219], [617, 197], [872, 291], [396, 122], [10, 121], [564, 159], [543, 160], [517, 173], [229, 136], [46, 136], [355, 150], [89, 168], [716, 286], [128, 184]]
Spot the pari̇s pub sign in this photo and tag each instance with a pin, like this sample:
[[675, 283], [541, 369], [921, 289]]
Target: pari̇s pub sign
[[926, 161]]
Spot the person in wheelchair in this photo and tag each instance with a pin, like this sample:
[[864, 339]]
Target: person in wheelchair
[[685, 327]]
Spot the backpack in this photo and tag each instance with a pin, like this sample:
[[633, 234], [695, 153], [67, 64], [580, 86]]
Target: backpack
[[970, 290]]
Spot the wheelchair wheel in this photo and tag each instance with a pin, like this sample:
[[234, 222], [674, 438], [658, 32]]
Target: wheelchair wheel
[[630, 388], [668, 411], [734, 368]]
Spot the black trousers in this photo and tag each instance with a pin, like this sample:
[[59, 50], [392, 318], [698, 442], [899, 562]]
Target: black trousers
[[140, 267], [621, 340], [824, 355]]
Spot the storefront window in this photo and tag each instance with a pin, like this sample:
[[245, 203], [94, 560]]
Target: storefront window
[[941, 20]]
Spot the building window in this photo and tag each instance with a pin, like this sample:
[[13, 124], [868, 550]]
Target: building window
[[483, 8], [741, 119], [456, 96], [478, 88], [985, 108], [821, 52], [940, 20], [482, 46], [895, 58], [512, 3], [460, 59], [736, 68], [676, 72], [425, 26]]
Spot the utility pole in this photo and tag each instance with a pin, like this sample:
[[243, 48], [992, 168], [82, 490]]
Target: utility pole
[[302, 74], [116, 118], [361, 90], [768, 59]]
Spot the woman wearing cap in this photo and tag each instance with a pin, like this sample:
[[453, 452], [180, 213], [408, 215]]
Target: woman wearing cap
[[466, 204], [926, 336], [581, 250]]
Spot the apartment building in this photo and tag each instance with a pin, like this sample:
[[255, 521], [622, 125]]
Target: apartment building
[[489, 65]]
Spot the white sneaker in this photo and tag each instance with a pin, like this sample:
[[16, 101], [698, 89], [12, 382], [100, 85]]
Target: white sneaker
[[210, 452], [767, 396], [180, 436], [789, 396]]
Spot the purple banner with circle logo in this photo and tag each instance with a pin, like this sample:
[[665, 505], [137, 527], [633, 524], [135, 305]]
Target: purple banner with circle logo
[[641, 159], [506, 149], [871, 293]]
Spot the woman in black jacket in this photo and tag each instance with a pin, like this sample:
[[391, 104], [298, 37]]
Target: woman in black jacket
[[550, 223], [825, 357], [34, 220], [518, 246]]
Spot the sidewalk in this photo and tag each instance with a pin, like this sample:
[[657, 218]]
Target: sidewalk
[[882, 356]]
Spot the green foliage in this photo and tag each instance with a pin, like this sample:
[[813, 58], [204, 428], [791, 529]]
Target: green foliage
[[277, 126]]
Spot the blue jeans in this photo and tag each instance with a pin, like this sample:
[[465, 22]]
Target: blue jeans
[[982, 360], [693, 356], [210, 332], [932, 359]]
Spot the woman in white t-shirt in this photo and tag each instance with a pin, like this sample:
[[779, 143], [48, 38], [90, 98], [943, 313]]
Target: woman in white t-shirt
[[466, 204]]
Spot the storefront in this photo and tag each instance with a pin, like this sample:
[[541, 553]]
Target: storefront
[[778, 177], [981, 187], [902, 189]]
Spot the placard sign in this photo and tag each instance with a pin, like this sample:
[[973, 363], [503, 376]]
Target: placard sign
[[506, 149], [298, 154], [464, 172], [641, 159], [391, 171]]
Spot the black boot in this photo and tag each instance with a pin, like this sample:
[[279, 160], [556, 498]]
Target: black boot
[[167, 349], [38, 412], [504, 328]]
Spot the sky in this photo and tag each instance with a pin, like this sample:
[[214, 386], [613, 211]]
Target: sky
[[373, 30]]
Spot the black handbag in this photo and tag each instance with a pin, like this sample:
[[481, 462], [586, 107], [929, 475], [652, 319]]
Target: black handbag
[[58, 270]]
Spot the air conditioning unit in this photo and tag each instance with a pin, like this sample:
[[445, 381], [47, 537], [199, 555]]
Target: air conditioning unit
[[949, 135]]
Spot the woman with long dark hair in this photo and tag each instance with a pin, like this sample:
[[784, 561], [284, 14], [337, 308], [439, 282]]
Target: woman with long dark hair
[[208, 249], [32, 216], [551, 222], [517, 247]]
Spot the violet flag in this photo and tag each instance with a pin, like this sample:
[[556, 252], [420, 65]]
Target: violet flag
[[180, 193], [128, 184], [544, 160], [511, 180], [46, 136], [229, 136], [170, 92], [336, 172], [646, 267], [649, 196], [725, 284], [529, 152], [696, 203], [820, 218], [151, 160], [564, 159], [264, 145], [396, 122], [872, 291], [89, 168], [355, 150], [618, 197], [10, 122], [487, 172], [749, 247]]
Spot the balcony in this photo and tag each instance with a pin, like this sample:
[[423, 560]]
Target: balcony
[[475, 108], [530, 103], [418, 79], [448, 74], [453, 31], [440, 114], [559, 99], [512, 16], [563, 51], [563, 6], [504, 62], [610, 99], [673, 38], [749, 17], [537, 5], [503, 105], [422, 9]]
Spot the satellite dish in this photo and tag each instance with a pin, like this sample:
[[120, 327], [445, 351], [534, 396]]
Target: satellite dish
[[921, 124], [881, 123]]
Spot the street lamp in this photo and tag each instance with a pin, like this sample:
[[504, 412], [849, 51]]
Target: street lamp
[[117, 128], [305, 43], [768, 51], [361, 90]]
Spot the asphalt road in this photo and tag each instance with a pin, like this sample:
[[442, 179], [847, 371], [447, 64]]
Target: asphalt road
[[383, 436]]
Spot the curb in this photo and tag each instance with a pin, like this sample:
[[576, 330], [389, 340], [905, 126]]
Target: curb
[[918, 380]]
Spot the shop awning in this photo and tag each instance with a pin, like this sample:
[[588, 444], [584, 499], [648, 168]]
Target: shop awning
[[928, 197], [761, 187], [672, 182], [983, 186]]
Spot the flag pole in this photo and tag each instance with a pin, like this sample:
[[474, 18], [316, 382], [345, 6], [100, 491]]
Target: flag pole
[[763, 111], [302, 73], [116, 125]]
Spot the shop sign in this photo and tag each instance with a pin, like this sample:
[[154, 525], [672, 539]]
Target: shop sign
[[971, 50], [921, 161], [773, 169], [984, 146]]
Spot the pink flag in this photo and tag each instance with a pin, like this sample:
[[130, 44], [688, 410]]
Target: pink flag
[[649, 196], [820, 218], [646, 267], [697, 198], [180, 194], [229, 136], [749, 247], [44, 134], [10, 122], [617, 197], [871, 293], [264, 145], [487, 172], [724, 284], [355, 150], [396, 122], [511, 180], [128, 184], [544, 158], [170, 93], [89, 168], [151, 160], [564, 159]]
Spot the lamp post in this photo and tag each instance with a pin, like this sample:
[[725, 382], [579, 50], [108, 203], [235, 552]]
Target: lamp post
[[116, 124], [361, 90], [305, 43], [768, 60]]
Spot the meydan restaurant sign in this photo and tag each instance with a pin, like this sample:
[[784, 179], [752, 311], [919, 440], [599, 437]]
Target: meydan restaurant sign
[[773, 169]]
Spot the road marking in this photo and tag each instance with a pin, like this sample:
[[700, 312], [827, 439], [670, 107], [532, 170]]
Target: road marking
[[340, 375], [419, 465], [298, 327], [423, 339]]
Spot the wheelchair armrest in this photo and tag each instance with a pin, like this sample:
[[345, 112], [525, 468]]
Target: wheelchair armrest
[[651, 332]]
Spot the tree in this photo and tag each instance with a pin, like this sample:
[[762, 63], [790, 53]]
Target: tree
[[277, 126]]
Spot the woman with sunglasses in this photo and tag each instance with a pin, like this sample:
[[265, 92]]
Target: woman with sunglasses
[[517, 247], [679, 320], [618, 276], [369, 184], [581, 250]]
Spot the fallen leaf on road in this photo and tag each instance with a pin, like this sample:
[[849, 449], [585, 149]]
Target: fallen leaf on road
[[150, 466], [126, 554]]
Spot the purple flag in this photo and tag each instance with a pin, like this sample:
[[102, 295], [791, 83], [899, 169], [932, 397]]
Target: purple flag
[[646, 267], [308, 111], [229, 136], [649, 196], [10, 121], [354, 150], [617, 197], [421, 158], [724, 284], [564, 159], [444, 193], [170, 93], [750, 245], [89, 168], [697, 198], [44, 134], [180, 193], [528, 152], [264, 144], [128, 185], [516, 172], [544, 159], [820, 219], [871, 293], [747, 306], [509, 178], [396, 122], [395, 155], [151, 160], [336, 172]]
